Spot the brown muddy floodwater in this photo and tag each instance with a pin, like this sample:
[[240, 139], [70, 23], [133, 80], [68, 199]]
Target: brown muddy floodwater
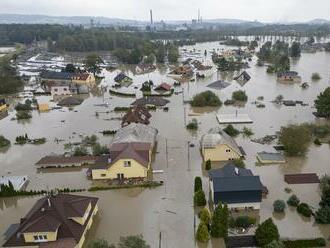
[[169, 209]]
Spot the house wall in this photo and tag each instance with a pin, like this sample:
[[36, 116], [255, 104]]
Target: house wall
[[51, 236], [135, 170], [90, 81], [254, 205], [60, 90], [88, 226], [219, 153]]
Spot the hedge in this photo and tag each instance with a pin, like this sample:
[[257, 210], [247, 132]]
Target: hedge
[[300, 243]]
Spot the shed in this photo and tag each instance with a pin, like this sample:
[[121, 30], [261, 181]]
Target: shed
[[163, 87], [70, 101], [43, 107]]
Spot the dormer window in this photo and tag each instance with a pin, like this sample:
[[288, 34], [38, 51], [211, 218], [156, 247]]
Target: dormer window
[[40, 238], [127, 163]]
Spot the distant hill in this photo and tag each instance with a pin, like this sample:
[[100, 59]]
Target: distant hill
[[85, 20], [319, 21]]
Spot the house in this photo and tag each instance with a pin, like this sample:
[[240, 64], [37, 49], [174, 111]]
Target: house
[[136, 132], [18, 182], [126, 160], [185, 71], [217, 146], [62, 161], [87, 79], [60, 220], [291, 76], [60, 90], [244, 76], [144, 68], [3, 109], [137, 114], [151, 101], [237, 187], [270, 158], [122, 78], [163, 87], [43, 107]]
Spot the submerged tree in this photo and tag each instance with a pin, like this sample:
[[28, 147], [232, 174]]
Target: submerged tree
[[322, 103]]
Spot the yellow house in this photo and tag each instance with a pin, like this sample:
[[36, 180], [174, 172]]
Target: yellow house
[[3, 110], [84, 79], [126, 160], [219, 146], [56, 221], [43, 107]]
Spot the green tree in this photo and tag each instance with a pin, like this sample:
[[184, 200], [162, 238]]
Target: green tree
[[173, 54], [4, 142], [322, 103], [100, 243], [295, 50], [208, 165], [135, 241], [205, 216], [70, 68], [199, 198], [80, 151], [239, 95], [205, 99], [92, 63], [219, 221], [293, 201], [322, 215], [266, 233], [304, 209], [231, 131], [295, 139], [10, 82], [198, 184], [279, 206], [98, 149], [202, 234]]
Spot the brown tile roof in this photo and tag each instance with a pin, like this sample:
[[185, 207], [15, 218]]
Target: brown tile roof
[[47, 215], [67, 242], [138, 114], [301, 178], [135, 150], [80, 76], [57, 160]]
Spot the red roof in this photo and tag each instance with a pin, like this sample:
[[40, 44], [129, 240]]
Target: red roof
[[164, 86], [57, 160], [80, 76]]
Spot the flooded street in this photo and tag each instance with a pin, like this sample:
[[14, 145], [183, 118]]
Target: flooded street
[[169, 209]]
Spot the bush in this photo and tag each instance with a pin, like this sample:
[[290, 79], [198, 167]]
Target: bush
[[219, 222], [322, 215], [279, 206], [316, 76], [266, 233], [206, 99], [322, 103], [23, 115], [301, 243], [247, 132], [304, 210], [317, 142], [80, 151], [199, 198], [295, 139], [231, 131], [202, 234], [239, 163], [98, 149], [4, 142], [275, 244], [239, 96], [243, 221], [198, 184], [193, 125], [205, 216], [293, 201]]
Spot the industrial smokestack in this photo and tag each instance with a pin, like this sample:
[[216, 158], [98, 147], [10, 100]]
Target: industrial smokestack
[[151, 19]]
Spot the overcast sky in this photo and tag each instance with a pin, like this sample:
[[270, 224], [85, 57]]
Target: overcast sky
[[261, 10]]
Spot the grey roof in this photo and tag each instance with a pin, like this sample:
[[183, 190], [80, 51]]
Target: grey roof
[[218, 85], [217, 136], [136, 132], [230, 170], [151, 100], [230, 184], [271, 156]]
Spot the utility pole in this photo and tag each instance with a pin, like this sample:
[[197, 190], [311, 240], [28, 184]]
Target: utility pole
[[166, 149], [188, 143]]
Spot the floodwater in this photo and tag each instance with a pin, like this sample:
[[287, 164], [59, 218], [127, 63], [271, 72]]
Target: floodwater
[[166, 214]]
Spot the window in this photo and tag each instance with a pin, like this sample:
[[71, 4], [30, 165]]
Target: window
[[55, 90], [127, 163], [40, 238], [35, 238], [227, 150], [103, 175], [65, 89]]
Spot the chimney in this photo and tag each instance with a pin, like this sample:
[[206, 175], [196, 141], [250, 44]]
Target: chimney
[[49, 204], [236, 171], [151, 19]]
